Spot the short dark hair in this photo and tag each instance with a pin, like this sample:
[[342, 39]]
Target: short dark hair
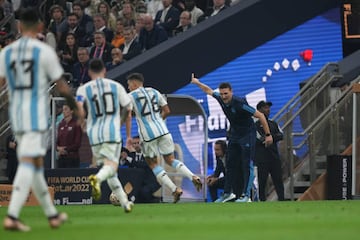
[[223, 145], [29, 16], [135, 76], [225, 85], [96, 65]]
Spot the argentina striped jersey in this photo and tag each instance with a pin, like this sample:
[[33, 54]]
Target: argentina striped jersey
[[29, 66], [147, 103], [103, 98]]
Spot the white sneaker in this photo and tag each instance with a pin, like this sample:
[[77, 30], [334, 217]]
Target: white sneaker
[[243, 199], [226, 197]]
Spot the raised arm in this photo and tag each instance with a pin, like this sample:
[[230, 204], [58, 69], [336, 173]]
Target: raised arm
[[65, 91], [206, 89]]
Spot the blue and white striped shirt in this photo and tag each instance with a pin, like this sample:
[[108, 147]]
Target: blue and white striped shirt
[[147, 103], [103, 98], [29, 67]]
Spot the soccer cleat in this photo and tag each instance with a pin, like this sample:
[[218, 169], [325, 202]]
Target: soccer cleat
[[58, 220], [197, 183], [243, 199], [177, 194], [96, 189], [13, 224], [128, 207], [226, 197]]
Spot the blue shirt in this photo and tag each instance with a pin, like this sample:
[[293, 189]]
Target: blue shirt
[[239, 113]]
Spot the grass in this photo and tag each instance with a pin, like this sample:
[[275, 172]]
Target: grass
[[323, 220]]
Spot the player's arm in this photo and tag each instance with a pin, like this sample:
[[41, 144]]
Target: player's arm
[[65, 91], [2, 82], [264, 123], [206, 89], [165, 111]]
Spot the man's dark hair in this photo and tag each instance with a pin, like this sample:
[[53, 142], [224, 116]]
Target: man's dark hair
[[223, 145], [135, 76], [29, 16], [225, 85], [96, 65]]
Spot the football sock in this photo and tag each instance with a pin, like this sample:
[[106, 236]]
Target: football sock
[[104, 173], [116, 187], [21, 188], [40, 189], [163, 178], [182, 169]]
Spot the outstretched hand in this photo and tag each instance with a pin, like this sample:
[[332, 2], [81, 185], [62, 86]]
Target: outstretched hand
[[194, 79]]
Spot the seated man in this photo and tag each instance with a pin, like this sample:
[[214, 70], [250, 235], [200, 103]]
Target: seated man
[[214, 181]]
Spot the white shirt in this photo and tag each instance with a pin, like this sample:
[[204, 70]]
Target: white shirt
[[103, 98], [147, 103], [29, 67]]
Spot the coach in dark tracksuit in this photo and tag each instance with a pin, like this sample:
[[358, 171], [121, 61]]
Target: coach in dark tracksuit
[[267, 159]]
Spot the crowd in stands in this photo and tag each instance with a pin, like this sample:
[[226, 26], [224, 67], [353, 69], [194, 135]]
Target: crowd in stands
[[84, 29]]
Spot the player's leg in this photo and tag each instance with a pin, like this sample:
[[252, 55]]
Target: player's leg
[[116, 187], [166, 148], [105, 171], [40, 190], [150, 154]]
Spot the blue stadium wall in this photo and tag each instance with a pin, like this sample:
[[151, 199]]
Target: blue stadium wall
[[245, 62]]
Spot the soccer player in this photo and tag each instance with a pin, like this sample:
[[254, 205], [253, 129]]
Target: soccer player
[[242, 137], [29, 66], [151, 109], [103, 98]]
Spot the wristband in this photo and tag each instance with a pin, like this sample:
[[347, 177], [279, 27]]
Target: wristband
[[267, 134]]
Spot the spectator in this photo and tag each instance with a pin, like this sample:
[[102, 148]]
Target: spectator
[[218, 6], [267, 158], [153, 7], [71, 25], [68, 54], [125, 159], [117, 59], [216, 181], [185, 22], [119, 38], [139, 23], [80, 69], [149, 185], [127, 12], [138, 156], [101, 49], [57, 18], [85, 22], [100, 26], [68, 140], [131, 47], [152, 34], [12, 160], [194, 10], [104, 9], [168, 18]]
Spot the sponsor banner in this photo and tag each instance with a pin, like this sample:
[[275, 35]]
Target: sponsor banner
[[5, 194], [71, 186]]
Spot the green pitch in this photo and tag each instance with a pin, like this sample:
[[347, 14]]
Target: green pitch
[[320, 220]]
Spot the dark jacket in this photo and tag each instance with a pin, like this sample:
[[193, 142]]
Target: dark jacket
[[271, 152], [134, 49], [171, 20]]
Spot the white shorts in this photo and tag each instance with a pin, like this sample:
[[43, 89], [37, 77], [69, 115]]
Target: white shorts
[[109, 151], [163, 145], [31, 144]]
